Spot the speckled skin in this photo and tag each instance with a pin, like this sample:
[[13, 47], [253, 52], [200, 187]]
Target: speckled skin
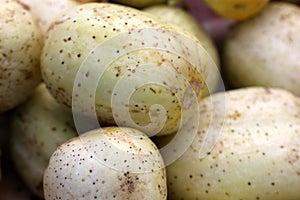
[[257, 155], [183, 19], [20, 48], [73, 38], [38, 127], [92, 167], [264, 50]]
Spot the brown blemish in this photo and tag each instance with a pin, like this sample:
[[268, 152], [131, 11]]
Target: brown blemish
[[26, 7], [128, 182], [153, 90], [55, 24], [235, 115]]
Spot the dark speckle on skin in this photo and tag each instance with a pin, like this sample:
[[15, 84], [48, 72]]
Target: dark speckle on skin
[[128, 182]]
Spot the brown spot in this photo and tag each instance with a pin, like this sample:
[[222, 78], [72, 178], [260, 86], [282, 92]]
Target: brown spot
[[28, 75], [227, 194], [55, 23], [67, 104], [293, 156], [153, 90], [26, 7], [235, 115]]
